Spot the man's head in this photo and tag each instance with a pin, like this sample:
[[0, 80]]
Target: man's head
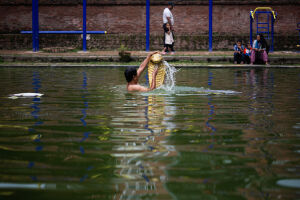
[[170, 5], [130, 73], [239, 42]]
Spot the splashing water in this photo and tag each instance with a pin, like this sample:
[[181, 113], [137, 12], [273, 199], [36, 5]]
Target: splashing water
[[169, 87], [170, 79]]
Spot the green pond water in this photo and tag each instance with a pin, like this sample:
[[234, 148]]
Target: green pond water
[[220, 134]]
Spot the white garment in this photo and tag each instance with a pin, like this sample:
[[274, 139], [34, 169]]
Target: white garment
[[167, 13], [169, 38]]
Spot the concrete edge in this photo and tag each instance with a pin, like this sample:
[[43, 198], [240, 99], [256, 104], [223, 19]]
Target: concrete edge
[[61, 65]]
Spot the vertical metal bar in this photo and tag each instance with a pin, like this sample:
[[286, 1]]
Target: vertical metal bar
[[210, 24], [147, 25], [269, 14], [257, 29], [37, 36], [33, 25], [84, 25], [272, 34], [251, 26], [299, 36]]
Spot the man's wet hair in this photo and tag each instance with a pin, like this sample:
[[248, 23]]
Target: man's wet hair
[[129, 73]]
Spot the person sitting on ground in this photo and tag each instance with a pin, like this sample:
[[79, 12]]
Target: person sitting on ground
[[247, 53], [169, 40], [132, 76], [260, 50], [238, 53]]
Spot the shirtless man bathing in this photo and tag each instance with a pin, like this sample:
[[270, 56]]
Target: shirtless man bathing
[[132, 76]]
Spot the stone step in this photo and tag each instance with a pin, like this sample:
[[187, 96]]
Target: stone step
[[278, 60]]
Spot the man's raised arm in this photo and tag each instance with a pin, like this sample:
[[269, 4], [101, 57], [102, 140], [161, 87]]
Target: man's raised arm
[[144, 64]]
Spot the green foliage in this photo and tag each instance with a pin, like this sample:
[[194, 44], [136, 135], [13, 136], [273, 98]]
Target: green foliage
[[122, 48], [125, 56]]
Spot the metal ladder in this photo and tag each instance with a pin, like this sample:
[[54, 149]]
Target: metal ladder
[[263, 27]]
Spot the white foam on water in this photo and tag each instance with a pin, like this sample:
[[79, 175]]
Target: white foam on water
[[25, 95], [169, 87], [170, 79], [294, 183]]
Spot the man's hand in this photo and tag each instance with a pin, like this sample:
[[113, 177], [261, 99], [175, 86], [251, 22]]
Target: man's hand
[[155, 72], [144, 63], [153, 84], [152, 53]]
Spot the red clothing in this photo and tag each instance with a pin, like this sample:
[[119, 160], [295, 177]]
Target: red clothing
[[247, 51]]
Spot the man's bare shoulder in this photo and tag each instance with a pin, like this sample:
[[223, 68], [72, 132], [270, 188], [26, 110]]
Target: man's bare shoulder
[[137, 88]]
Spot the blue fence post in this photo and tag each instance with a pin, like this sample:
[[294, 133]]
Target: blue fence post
[[251, 24], [35, 25], [210, 24], [147, 25], [272, 34], [84, 25]]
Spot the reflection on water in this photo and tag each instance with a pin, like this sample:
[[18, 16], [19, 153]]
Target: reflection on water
[[211, 110], [86, 134], [36, 137], [141, 129], [219, 134]]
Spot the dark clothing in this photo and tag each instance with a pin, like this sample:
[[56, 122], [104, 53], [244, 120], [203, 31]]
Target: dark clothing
[[239, 57], [169, 47], [239, 54], [246, 59], [165, 27]]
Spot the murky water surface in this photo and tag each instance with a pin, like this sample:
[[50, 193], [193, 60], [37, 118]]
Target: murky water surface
[[221, 134]]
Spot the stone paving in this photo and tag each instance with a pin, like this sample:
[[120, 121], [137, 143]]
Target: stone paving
[[112, 58]]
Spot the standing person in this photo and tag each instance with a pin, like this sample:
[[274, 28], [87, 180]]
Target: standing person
[[238, 53], [260, 50], [168, 18], [169, 40]]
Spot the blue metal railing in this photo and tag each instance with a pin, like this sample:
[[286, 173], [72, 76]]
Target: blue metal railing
[[84, 25], [65, 32], [35, 27], [210, 24], [298, 28], [260, 26], [147, 25]]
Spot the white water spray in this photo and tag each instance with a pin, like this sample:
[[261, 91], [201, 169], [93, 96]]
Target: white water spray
[[170, 79]]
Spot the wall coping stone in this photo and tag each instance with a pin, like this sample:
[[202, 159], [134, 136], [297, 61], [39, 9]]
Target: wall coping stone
[[152, 2]]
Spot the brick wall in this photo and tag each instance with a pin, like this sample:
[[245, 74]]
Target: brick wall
[[122, 18], [153, 2]]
